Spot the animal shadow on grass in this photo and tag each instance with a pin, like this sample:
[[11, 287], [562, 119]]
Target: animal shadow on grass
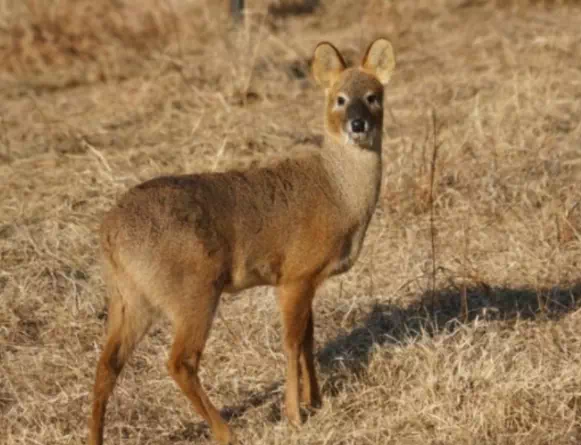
[[271, 393], [196, 430], [388, 324]]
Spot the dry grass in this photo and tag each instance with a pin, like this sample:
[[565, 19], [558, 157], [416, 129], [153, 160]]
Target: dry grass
[[99, 96]]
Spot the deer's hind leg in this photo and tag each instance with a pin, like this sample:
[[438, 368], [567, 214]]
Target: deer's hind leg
[[129, 318], [192, 328]]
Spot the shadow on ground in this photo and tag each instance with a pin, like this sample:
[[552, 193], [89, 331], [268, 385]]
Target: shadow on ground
[[389, 324], [438, 312]]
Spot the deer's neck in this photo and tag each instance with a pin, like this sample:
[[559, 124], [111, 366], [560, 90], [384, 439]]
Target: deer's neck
[[356, 173]]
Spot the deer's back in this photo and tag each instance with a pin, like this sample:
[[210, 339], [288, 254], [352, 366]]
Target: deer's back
[[260, 226]]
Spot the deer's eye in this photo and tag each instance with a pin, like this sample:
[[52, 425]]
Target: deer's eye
[[373, 99], [341, 101]]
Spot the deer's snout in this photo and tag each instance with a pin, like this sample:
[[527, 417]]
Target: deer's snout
[[358, 125], [359, 117]]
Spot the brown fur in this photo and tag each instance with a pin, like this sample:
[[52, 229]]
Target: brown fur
[[173, 244]]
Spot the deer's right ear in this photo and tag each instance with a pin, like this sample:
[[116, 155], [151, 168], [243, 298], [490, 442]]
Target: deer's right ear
[[327, 64]]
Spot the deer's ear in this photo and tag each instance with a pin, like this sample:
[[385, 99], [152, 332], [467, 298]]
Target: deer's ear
[[328, 64], [380, 60]]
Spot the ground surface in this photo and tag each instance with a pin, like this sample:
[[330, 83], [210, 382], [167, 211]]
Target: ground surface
[[100, 95]]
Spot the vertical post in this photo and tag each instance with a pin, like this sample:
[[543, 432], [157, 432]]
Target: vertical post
[[236, 9]]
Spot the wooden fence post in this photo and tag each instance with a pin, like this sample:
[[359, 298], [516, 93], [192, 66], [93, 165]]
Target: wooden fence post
[[236, 9]]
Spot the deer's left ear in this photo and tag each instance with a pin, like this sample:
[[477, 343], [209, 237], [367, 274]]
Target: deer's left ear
[[379, 59]]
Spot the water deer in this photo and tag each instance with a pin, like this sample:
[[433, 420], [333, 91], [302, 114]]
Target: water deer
[[172, 245]]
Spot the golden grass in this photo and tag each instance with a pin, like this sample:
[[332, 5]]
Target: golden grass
[[100, 95]]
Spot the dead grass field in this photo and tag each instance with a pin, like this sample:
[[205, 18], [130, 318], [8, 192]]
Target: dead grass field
[[98, 95]]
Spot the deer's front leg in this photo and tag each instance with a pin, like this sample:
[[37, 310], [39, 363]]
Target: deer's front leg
[[311, 395], [295, 306]]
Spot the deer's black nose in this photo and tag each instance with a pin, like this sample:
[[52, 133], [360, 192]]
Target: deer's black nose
[[358, 125]]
